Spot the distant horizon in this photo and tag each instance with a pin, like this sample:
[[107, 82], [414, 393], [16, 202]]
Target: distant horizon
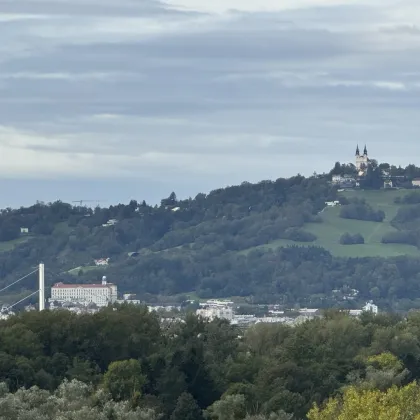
[[121, 190]]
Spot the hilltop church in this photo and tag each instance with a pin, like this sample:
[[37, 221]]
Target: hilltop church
[[362, 161]]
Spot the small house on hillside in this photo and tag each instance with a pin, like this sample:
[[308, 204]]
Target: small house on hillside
[[24, 230], [415, 182], [102, 262], [110, 222]]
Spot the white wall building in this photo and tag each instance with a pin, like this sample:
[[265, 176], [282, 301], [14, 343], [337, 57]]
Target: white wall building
[[221, 312], [102, 261], [370, 307], [362, 161], [216, 303], [100, 294]]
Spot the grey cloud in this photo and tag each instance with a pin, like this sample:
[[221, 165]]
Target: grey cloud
[[402, 29], [93, 8], [253, 96]]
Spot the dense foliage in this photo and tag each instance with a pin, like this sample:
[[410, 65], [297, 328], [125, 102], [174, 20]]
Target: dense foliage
[[123, 364], [406, 221], [360, 210], [412, 198], [349, 239]]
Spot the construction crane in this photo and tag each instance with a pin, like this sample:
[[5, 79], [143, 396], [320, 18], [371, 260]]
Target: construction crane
[[87, 201]]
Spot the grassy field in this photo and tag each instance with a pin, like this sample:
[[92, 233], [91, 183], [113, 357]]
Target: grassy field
[[329, 232], [9, 245]]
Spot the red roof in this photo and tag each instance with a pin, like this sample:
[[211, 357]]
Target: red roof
[[85, 286]]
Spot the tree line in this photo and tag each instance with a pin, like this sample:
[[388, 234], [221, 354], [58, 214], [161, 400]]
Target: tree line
[[123, 363]]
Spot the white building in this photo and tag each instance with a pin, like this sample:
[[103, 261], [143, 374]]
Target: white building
[[362, 161], [212, 312], [332, 203], [110, 222], [216, 303], [100, 294], [102, 261], [370, 307]]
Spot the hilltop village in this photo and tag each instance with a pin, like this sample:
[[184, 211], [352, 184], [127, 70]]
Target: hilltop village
[[367, 173]]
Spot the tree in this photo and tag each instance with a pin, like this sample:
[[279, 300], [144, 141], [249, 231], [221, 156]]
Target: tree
[[187, 408], [83, 371], [124, 380], [231, 407], [348, 239], [394, 404], [281, 415], [72, 400], [383, 371]]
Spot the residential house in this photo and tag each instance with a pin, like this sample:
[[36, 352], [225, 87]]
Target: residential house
[[102, 262]]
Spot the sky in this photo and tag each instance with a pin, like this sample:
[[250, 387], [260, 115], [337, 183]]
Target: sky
[[109, 100]]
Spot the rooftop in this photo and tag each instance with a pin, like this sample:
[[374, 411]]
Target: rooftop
[[82, 286]]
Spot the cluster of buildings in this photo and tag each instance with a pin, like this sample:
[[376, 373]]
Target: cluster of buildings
[[361, 166], [221, 309], [89, 298], [369, 307]]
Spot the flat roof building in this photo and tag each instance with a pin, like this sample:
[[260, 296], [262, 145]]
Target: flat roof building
[[100, 294]]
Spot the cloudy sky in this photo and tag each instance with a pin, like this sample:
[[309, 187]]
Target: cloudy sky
[[117, 99]]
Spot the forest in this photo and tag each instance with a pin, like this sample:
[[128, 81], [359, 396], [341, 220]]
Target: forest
[[123, 363]]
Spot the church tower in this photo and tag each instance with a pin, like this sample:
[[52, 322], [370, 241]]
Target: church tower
[[362, 161]]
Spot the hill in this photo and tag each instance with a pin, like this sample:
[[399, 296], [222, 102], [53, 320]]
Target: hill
[[275, 241], [328, 232]]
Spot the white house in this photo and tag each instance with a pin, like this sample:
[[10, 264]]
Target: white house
[[24, 230], [370, 307], [415, 182], [102, 261], [332, 203], [110, 222]]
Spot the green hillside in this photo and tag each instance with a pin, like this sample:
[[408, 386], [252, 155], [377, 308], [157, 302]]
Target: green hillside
[[270, 242], [329, 232]]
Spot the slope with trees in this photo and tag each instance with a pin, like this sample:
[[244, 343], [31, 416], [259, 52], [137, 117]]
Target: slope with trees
[[224, 244]]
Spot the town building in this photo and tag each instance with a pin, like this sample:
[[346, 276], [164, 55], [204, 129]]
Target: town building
[[99, 294], [102, 262], [362, 161], [213, 312], [110, 222], [415, 182], [370, 307]]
